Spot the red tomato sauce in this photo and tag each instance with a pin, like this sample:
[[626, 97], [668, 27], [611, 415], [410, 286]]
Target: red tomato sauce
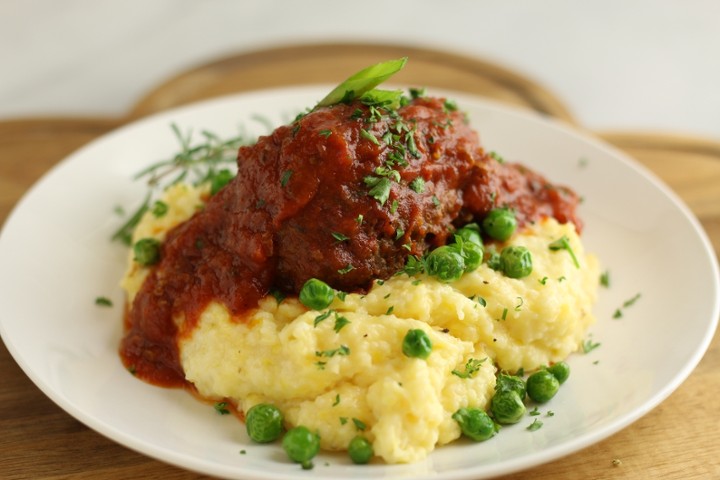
[[343, 194]]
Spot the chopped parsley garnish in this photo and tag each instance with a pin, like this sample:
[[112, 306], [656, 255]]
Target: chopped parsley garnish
[[345, 270], [342, 350], [337, 400], [589, 345], [322, 317], [279, 296], [369, 136], [359, 424], [390, 310], [631, 301], [472, 366], [605, 279], [504, 314], [535, 425], [497, 157], [221, 408], [325, 133], [563, 243], [450, 106], [340, 322], [627, 303], [103, 302], [285, 178], [340, 237], [379, 188], [417, 185]]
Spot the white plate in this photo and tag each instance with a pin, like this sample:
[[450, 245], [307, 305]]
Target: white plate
[[56, 258]]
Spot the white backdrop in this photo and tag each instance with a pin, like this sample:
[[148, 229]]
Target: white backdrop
[[616, 64]]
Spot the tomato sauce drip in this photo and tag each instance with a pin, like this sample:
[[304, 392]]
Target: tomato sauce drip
[[302, 206]]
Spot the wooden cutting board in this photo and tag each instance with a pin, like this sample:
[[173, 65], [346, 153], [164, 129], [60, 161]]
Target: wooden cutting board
[[678, 439]]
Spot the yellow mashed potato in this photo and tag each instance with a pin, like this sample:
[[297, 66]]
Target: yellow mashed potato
[[334, 380]]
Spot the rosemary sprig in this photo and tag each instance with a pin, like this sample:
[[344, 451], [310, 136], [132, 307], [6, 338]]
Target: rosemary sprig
[[202, 162]]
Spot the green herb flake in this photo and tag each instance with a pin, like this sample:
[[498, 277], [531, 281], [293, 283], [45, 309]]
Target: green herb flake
[[534, 412], [504, 313], [417, 185], [436, 201], [631, 301], [472, 366], [563, 243], [279, 296], [221, 408], [340, 237], [325, 133], [605, 279], [359, 219], [343, 420], [103, 302], [340, 322], [450, 106], [379, 188], [617, 314], [359, 424], [497, 157], [321, 317], [535, 425], [342, 351], [394, 206], [589, 345], [337, 400], [390, 310], [285, 178], [416, 93], [346, 270], [543, 280], [369, 136]]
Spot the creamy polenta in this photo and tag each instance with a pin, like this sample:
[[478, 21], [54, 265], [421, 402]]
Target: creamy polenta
[[341, 370]]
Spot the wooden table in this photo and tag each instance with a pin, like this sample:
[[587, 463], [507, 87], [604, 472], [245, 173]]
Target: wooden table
[[680, 439]]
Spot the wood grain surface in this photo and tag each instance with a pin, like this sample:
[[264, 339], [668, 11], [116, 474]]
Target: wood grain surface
[[679, 439]]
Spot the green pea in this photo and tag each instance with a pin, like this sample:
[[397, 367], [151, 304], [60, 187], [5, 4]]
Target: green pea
[[512, 383], [560, 370], [301, 445], [264, 423], [500, 223], [507, 407], [417, 344], [445, 263], [316, 294], [472, 253], [516, 261], [470, 233], [475, 423], [542, 386], [360, 450], [147, 251]]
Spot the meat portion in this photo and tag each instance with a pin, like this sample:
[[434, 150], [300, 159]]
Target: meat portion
[[367, 191], [344, 194]]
